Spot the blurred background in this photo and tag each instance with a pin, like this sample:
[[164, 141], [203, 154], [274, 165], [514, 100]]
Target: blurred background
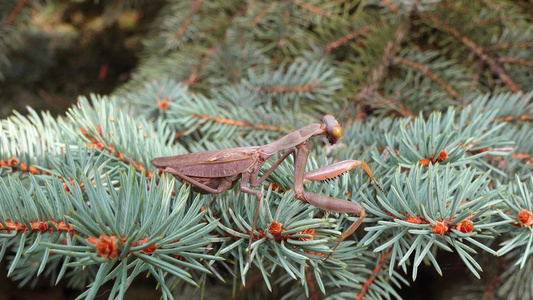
[[51, 52]]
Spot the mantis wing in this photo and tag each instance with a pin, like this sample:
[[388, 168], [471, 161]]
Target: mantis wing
[[211, 164]]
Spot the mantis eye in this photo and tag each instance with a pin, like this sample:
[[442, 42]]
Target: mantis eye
[[333, 129], [337, 132]]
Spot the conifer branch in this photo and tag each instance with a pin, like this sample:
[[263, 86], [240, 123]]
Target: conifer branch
[[239, 123], [494, 65]]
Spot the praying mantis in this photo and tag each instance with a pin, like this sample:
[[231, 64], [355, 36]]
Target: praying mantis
[[213, 172]]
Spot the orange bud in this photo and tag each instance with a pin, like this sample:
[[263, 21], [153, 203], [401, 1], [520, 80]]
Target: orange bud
[[33, 170], [275, 229], [415, 220], [465, 226], [310, 232], [443, 155], [525, 218], [163, 105], [93, 240], [440, 227], [424, 162], [106, 246], [149, 250]]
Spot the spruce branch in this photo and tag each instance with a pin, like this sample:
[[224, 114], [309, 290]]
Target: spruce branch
[[258, 99], [371, 280], [427, 209], [519, 214], [112, 230], [449, 141]]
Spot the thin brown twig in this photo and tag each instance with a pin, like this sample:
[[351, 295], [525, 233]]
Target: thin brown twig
[[381, 71], [263, 13], [290, 89], [237, 123], [512, 60], [391, 6], [424, 70], [188, 20], [378, 73], [197, 69], [345, 39], [495, 282], [14, 13], [313, 9], [486, 22], [379, 100], [313, 290], [511, 45], [373, 275]]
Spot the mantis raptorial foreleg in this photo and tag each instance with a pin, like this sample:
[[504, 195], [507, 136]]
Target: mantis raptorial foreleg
[[325, 202], [336, 169]]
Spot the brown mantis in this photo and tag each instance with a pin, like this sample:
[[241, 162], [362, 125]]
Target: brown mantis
[[213, 172]]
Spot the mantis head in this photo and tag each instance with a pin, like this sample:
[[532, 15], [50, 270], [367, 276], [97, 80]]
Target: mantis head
[[333, 129]]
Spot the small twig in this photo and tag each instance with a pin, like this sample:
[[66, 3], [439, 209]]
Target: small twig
[[263, 13], [391, 6], [313, 9], [290, 89], [511, 45], [512, 60], [380, 72], [188, 20], [14, 13], [238, 123], [424, 70], [372, 277], [345, 39]]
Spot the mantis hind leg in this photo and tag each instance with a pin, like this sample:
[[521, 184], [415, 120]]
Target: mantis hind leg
[[245, 189], [223, 185]]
